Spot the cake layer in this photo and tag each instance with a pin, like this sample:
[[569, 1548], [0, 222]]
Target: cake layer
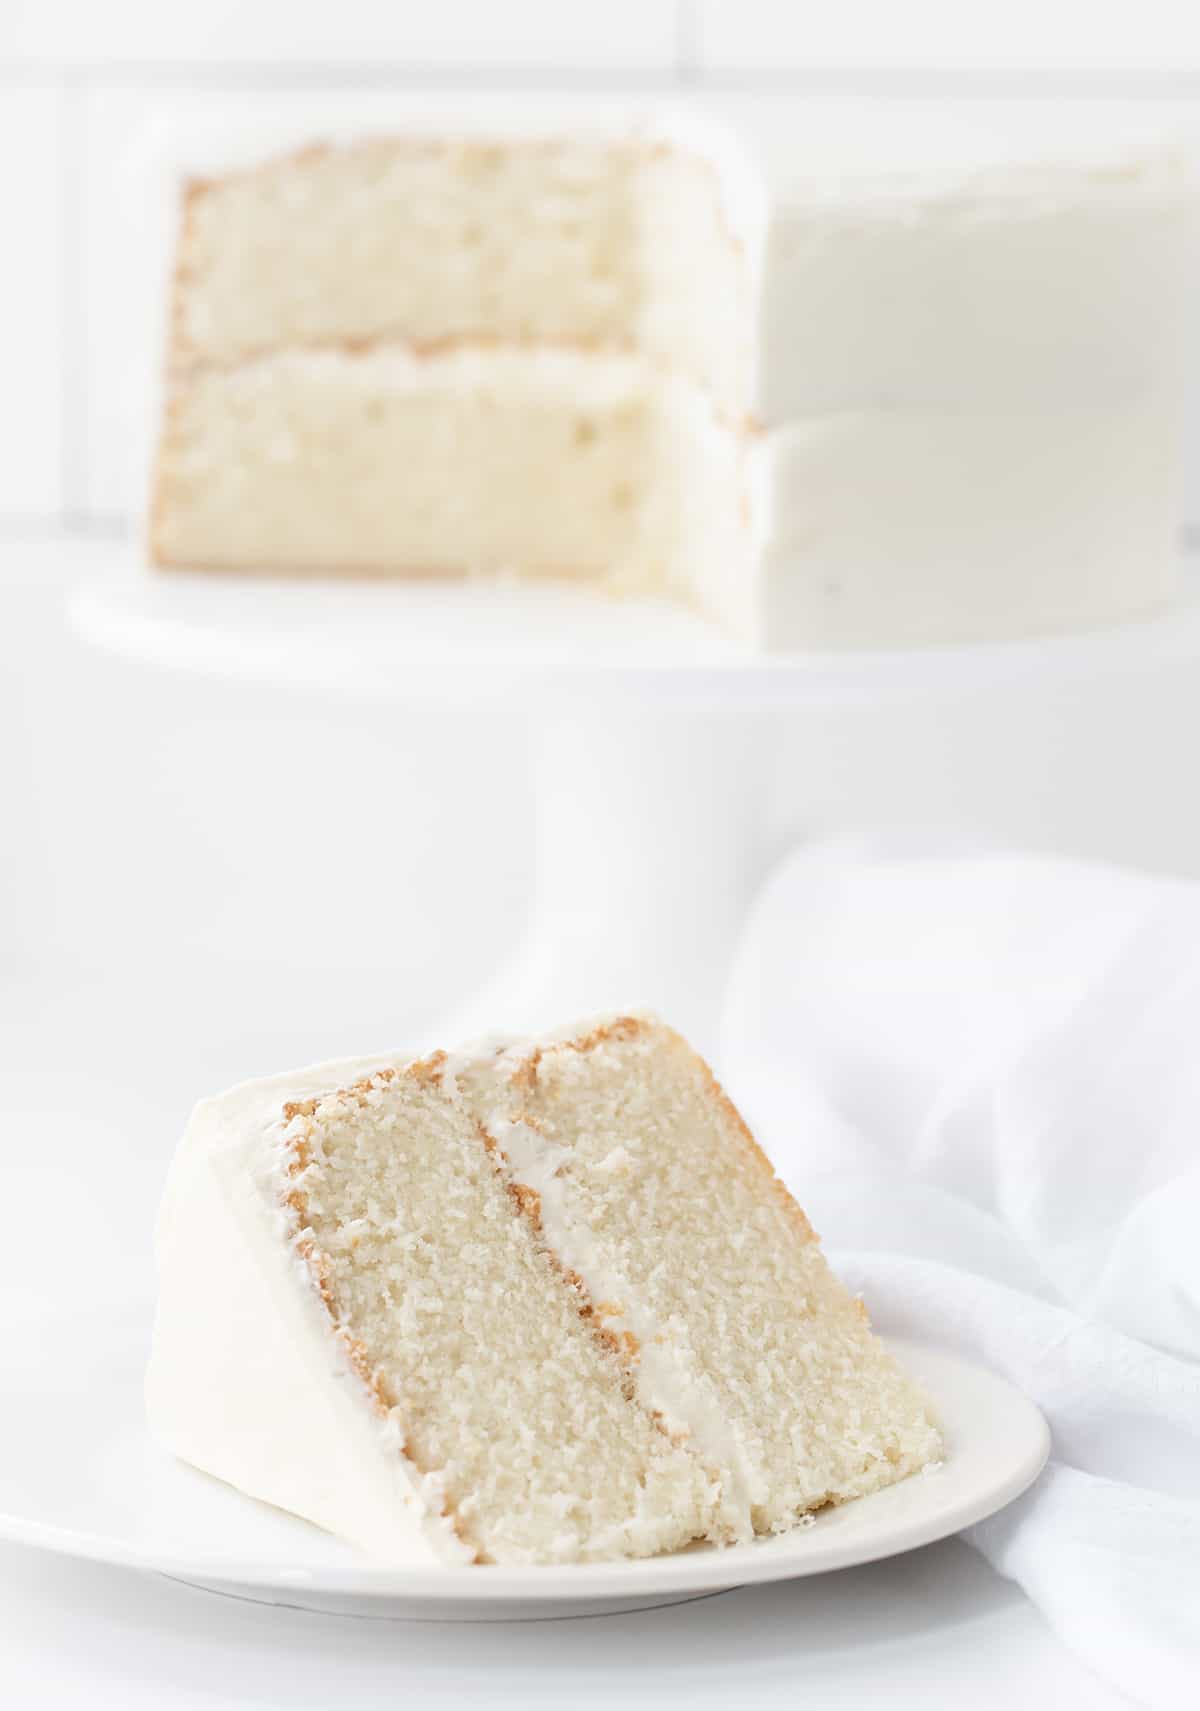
[[650, 1188], [244, 1379], [793, 274], [618, 244], [383, 460], [477, 459], [845, 529], [356, 1323]]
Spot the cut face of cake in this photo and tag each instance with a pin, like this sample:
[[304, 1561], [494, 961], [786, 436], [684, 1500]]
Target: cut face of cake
[[535, 1302], [827, 379], [449, 358]]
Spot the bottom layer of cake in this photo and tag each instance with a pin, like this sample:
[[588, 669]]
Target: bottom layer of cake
[[854, 528], [476, 460]]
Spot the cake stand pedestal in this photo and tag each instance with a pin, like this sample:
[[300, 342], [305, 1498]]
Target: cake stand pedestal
[[648, 846], [652, 743]]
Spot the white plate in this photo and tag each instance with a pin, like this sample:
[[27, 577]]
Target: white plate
[[79, 1473]]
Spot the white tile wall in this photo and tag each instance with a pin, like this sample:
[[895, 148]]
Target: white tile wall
[[32, 272], [925, 35], [84, 87], [510, 34], [125, 228]]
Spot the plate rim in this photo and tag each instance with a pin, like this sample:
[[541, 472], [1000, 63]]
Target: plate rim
[[700, 1570]]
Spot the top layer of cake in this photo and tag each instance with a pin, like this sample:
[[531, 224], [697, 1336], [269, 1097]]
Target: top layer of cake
[[435, 242], [799, 259]]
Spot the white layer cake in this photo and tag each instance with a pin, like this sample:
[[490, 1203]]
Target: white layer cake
[[538, 1302], [833, 387]]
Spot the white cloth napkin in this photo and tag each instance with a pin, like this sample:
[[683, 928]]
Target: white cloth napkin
[[981, 1077]]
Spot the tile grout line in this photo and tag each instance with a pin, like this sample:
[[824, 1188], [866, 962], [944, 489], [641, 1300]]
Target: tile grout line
[[72, 299], [1165, 82], [257, 74]]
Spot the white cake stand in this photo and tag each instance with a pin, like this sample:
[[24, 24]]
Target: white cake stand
[[656, 745]]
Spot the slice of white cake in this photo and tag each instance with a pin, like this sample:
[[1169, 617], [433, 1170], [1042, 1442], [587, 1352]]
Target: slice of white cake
[[538, 1302]]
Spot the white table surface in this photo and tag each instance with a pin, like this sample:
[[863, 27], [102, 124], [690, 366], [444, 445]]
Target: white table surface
[[123, 895], [935, 1629]]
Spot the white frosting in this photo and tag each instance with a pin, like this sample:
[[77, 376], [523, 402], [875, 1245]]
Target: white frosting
[[246, 1379], [1073, 293], [557, 374], [1000, 522]]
